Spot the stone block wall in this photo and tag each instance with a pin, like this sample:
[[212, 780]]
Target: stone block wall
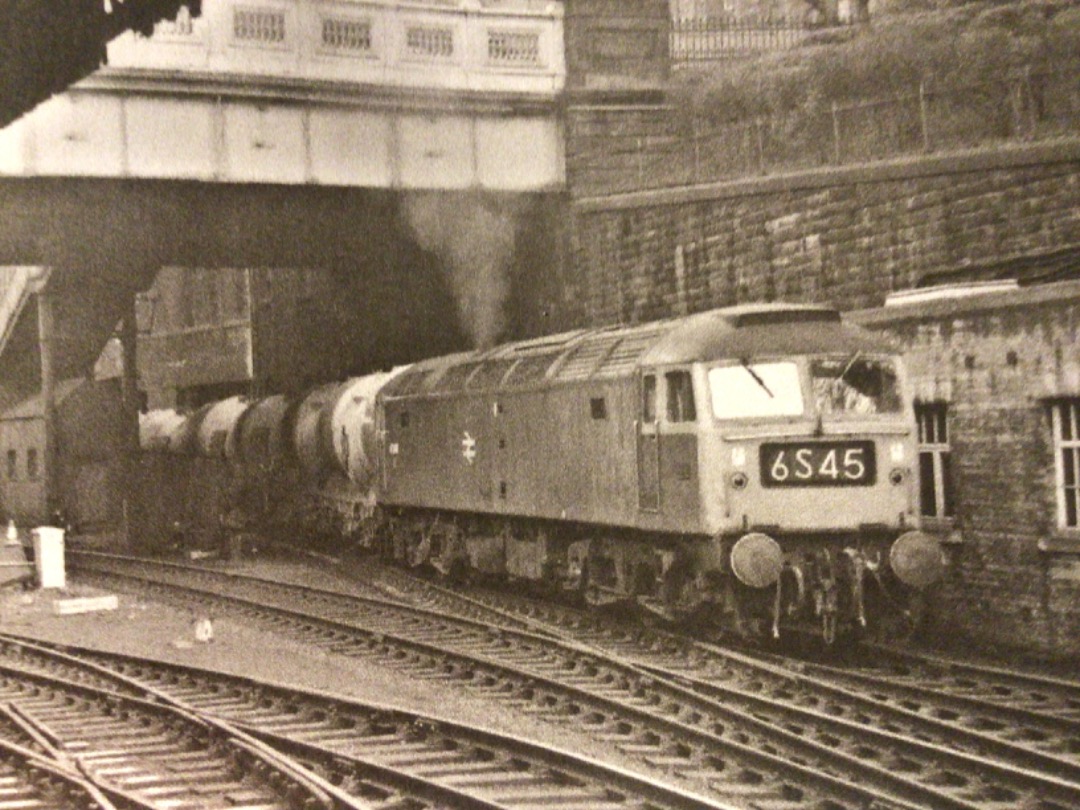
[[616, 44], [846, 236], [999, 362]]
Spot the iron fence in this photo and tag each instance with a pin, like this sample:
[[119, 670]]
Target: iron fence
[[706, 39], [676, 147]]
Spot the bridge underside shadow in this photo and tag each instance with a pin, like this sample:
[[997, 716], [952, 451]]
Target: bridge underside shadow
[[105, 240], [68, 222]]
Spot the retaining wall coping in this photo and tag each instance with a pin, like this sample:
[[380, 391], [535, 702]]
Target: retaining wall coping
[[1066, 150]]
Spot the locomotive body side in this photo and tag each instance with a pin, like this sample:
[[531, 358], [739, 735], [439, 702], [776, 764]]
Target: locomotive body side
[[695, 464]]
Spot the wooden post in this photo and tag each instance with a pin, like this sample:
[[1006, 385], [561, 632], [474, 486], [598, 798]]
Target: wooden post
[[129, 398], [47, 339]]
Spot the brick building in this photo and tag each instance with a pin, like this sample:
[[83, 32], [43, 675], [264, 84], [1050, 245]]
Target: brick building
[[89, 459], [996, 375]]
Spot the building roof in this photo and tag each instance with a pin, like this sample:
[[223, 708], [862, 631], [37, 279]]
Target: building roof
[[33, 408], [1066, 293], [1061, 264]]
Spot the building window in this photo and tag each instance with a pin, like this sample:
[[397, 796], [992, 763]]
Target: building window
[[433, 43], [12, 464], [598, 408], [935, 474], [346, 35], [1065, 418], [32, 464], [514, 47], [258, 25]]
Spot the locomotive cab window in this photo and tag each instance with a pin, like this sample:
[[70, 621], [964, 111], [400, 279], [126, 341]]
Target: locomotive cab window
[[648, 399], [854, 385], [750, 389], [680, 397]]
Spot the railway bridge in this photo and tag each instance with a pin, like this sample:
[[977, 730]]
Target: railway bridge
[[283, 134]]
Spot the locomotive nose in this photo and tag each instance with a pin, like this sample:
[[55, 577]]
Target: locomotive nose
[[916, 559]]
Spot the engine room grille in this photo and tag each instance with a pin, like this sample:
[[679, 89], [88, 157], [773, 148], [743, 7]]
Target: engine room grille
[[584, 359], [626, 354], [531, 369], [490, 375], [455, 377], [408, 383]]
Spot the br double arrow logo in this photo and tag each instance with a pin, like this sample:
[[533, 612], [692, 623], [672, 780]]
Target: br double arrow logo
[[468, 447]]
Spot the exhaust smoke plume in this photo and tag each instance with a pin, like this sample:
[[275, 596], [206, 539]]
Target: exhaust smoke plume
[[474, 236]]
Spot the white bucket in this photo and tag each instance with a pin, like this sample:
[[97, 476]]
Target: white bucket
[[49, 556]]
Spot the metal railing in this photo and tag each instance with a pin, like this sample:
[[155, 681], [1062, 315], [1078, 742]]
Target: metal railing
[[710, 39], [669, 147]]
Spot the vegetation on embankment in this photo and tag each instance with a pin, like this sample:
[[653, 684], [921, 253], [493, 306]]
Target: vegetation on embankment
[[942, 47]]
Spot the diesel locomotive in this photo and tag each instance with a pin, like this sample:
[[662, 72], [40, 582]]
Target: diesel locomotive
[[752, 467]]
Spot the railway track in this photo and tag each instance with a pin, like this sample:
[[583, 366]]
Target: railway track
[[31, 780], [1016, 716], [781, 754], [142, 754], [388, 757]]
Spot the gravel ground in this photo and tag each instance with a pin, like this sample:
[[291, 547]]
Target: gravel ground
[[152, 630]]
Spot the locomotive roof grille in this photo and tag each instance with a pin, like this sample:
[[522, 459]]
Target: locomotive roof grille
[[489, 375], [455, 377], [408, 383]]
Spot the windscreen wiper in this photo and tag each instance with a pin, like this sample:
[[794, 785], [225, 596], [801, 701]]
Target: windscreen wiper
[[749, 370], [850, 363]]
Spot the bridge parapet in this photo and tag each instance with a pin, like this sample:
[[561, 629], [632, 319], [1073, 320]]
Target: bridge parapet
[[470, 45], [436, 94]]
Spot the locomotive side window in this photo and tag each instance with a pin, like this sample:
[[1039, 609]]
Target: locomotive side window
[[935, 479], [748, 390], [680, 397], [648, 399], [855, 384], [1065, 417]]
